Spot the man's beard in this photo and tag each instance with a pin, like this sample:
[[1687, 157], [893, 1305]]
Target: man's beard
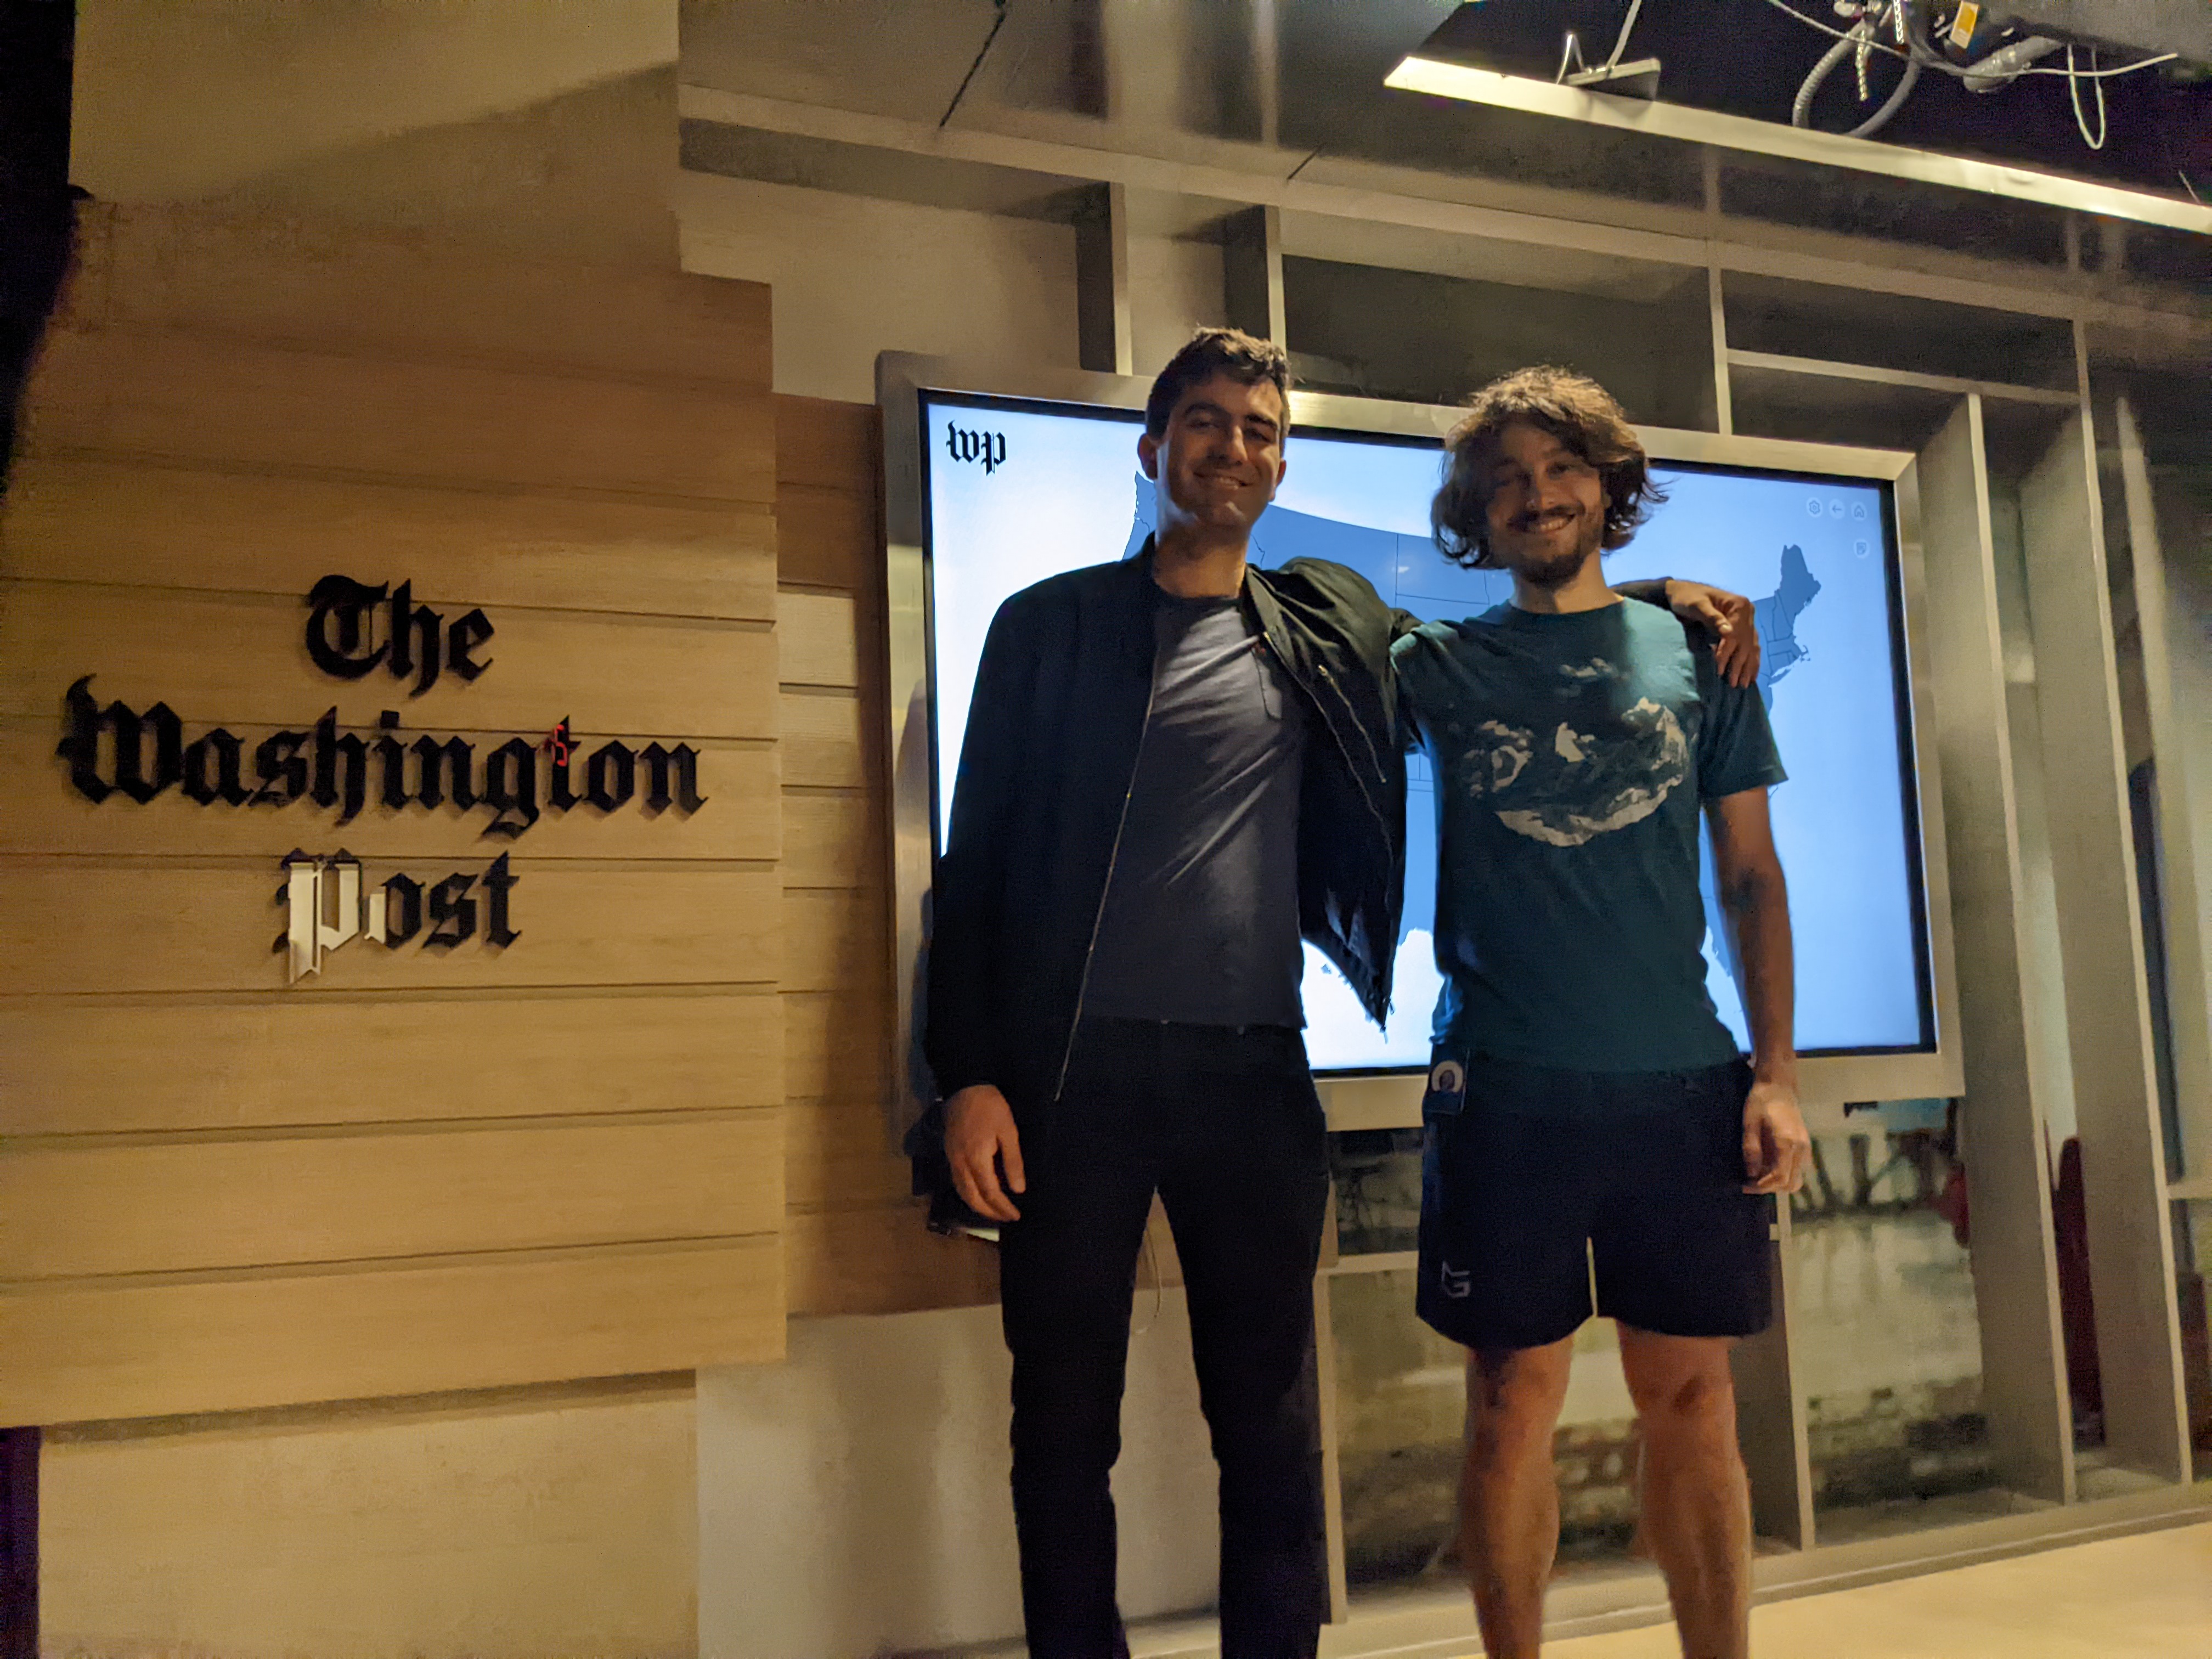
[[1560, 568]]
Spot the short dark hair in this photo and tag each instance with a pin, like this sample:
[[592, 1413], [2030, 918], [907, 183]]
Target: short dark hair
[[1211, 351], [1574, 409]]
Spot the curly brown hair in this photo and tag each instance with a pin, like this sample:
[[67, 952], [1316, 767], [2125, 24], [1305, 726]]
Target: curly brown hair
[[1574, 409]]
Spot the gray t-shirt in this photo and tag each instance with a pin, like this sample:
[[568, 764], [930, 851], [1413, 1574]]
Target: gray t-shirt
[[1201, 919]]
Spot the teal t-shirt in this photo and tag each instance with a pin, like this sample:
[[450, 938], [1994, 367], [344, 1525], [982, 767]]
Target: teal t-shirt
[[1572, 754]]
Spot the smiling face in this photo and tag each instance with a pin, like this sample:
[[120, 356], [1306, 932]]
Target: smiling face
[[1220, 460], [1546, 510]]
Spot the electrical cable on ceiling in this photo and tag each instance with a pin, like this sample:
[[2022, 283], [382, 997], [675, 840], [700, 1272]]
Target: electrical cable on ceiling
[[1861, 39], [2114, 74], [1572, 54], [1627, 28], [1966, 71], [2073, 96], [2000, 68]]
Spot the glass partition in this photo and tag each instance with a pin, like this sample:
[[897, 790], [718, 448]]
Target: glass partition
[[1887, 1338]]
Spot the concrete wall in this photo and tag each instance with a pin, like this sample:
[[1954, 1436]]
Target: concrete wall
[[853, 1500], [542, 1522], [854, 277]]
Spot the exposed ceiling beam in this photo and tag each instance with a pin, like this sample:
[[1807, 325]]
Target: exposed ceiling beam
[[1396, 198], [1687, 123]]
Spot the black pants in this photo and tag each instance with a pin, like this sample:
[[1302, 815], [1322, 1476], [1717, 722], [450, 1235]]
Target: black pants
[[1225, 1126]]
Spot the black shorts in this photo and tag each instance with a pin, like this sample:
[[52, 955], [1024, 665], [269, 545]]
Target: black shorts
[[1536, 1173]]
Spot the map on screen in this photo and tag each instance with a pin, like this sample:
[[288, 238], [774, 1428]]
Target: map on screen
[[1020, 491]]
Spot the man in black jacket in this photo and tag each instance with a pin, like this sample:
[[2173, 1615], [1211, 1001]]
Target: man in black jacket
[[1175, 769]]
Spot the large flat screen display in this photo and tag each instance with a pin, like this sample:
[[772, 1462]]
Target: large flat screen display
[[1019, 490]]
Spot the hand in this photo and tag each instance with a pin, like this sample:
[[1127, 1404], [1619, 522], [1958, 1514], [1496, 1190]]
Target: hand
[[1776, 1147], [978, 1138], [1729, 615]]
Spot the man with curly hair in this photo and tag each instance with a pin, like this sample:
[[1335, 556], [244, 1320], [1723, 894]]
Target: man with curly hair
[[1592, 1125]]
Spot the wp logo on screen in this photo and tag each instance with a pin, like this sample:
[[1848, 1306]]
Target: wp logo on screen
[[987, 449]]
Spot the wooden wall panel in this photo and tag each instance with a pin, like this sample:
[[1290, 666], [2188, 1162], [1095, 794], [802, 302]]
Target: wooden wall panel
[[880, 1259], [822, 739], [739, 816], [826, 1044], [258, 533], [834, 838], [835, 1154], [854, 1236], [819, 639], [96, 1207], [112, 1065], [824, 444], [140, 1348], [820, 531], [834, 939], [171, 267], [415, 1170], [241, 659], [190, 925], [192, 398]]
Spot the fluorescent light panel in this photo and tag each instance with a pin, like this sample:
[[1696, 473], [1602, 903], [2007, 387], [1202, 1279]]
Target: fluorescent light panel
[[1698, 126]]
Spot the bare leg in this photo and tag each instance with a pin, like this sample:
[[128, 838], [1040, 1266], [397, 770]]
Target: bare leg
[[1696, 1500], [1508, 1494]]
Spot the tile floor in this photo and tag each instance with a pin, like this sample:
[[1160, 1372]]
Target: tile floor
[[2148, 1596]]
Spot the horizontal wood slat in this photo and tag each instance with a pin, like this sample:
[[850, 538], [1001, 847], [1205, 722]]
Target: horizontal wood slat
[[828, 445], [880, 1261], [834, 940], [838, 1154], [414, 295], [826, 538], [183, 397], [823, 738], [181, 526], [736, 819], [816, 634], [95, 1208], [833, 1044], [94, 1351], [112, 1065], [832, 841], [176, 926], [232, 659]]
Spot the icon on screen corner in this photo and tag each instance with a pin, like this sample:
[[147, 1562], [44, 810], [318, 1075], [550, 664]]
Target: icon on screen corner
[[1813, 506], [1862, 548], [1836, 508], [986, 448]]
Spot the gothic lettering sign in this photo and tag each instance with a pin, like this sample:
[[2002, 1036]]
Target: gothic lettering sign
[[985, 449], [356, 631], [330, 905]]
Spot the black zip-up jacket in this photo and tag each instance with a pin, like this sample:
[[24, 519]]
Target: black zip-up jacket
[[1060, 699]]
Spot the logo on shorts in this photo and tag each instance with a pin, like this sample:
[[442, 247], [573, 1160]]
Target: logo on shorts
[[1447, 1090], [1457, 1281]]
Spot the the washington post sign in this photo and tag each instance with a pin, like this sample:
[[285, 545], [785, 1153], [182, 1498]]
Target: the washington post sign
[[355, 632]]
